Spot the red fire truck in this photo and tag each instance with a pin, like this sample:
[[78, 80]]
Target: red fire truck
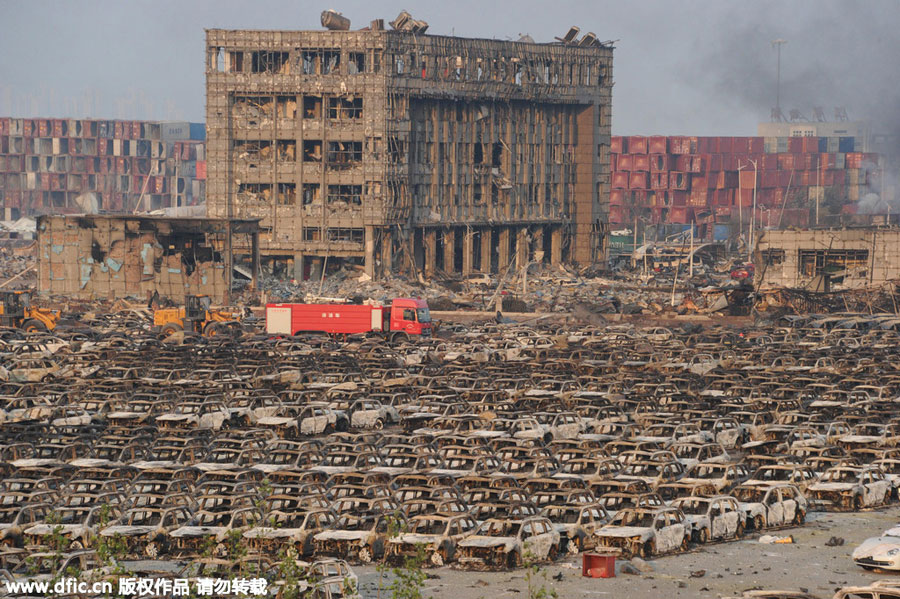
[[403, 318]]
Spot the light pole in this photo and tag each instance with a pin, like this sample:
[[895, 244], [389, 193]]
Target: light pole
[[777, 44], [753, 210], [740, 205]]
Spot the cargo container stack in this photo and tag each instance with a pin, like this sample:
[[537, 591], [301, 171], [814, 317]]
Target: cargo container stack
[[69, 166], [679, 180]]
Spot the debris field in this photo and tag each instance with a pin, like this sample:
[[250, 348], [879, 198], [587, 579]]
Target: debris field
[[493, 445]]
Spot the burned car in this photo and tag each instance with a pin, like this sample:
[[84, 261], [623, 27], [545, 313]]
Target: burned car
[[645, 532], [506, 543]]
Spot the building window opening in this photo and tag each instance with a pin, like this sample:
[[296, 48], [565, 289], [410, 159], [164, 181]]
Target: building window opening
[[344, 154], [345, 194], [345, 108]]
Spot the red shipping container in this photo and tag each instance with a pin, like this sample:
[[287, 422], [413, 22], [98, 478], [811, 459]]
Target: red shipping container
[[616, 197], [136, 130], [636, 198], [854, 160], [810, 144], [639, 180], [637, 144], [725, 145], [117, 129], [839, 177], [768, 179], [766, 198], [727, 180], [698, 198], [785, 179], [769, 162], [714, 162], [743, 197], [625, 162], [660, 163], [786, 162], [795, 145], [641, 162], [678, 180], [612, 162], [705, 145], [676, 144], [615, 214], [682, 163], [617, 144], [4, 126], [679, 215], [657, 144], [698, 162], [702, 181], [757, 145], [747, 178], [659, 180], [620, 180]]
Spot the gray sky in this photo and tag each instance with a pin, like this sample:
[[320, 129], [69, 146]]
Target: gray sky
[[692, 67]]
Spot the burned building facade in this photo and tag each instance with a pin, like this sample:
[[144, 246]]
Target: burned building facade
[[826, 259], [390, 148]]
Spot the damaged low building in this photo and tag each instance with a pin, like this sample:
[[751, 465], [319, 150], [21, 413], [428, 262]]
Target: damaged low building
[[103, 256], [828, 259], [389, 148]]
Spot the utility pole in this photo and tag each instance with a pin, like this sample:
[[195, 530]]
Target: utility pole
[[740, 200], [819, 188], [691, 263], [777, 44], [753, 210]]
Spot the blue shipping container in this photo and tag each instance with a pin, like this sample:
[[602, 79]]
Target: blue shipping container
[[720, 232], [198, 131], [845, 145]]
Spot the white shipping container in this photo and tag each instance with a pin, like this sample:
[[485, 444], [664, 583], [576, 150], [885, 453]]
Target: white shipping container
[[175, 130]]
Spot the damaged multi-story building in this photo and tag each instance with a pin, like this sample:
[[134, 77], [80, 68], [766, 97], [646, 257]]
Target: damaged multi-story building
[[391, 149]]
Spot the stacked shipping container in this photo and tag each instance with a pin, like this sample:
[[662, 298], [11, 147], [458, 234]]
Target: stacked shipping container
[[70, 166], [680, 180]]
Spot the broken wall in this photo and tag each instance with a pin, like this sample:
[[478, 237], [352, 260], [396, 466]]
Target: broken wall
[[852, 258], [127, 257]]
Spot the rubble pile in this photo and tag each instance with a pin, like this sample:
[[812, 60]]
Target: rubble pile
[[18, 265], [542, 288]]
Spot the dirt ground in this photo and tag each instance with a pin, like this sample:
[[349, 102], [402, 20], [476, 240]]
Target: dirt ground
[[727, 568]]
